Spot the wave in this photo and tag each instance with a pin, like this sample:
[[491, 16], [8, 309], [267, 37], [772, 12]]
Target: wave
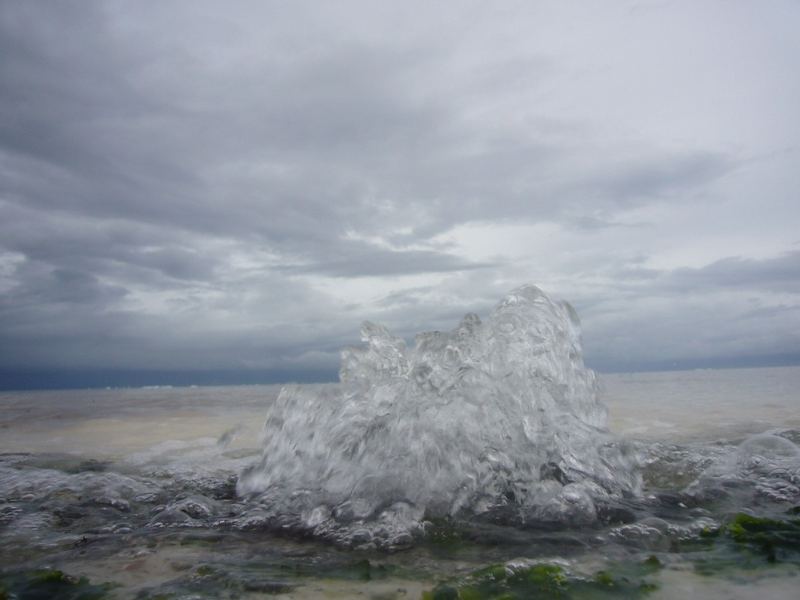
[[497, 419]]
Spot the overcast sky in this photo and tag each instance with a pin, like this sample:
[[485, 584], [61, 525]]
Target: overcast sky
[[236, 186]]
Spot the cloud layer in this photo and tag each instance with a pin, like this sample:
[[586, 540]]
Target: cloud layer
[[190, 187]]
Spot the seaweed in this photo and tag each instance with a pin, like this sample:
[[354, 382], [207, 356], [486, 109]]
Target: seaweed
[[747, 542], [770, 536], [545, 580]]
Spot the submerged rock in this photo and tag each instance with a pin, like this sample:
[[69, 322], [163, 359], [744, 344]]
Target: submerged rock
[[545, 580], [50, 583]]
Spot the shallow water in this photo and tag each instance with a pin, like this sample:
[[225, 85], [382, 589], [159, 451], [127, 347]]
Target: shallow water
[[136, 487], [707, 404]]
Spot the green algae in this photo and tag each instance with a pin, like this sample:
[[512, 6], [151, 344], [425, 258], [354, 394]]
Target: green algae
[[545, 580], [747, 543], [51, 576], [749, 529], [774, 538], [604, 578], [444, 533], [651, 563]]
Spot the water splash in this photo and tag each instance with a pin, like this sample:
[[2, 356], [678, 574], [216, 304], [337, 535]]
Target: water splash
[[493, 416]]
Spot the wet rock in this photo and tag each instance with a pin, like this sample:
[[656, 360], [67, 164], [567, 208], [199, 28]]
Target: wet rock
[[267, 586]]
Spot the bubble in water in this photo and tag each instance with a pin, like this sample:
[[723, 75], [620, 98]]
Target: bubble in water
[[493, 414], [764, 467], [766, 446]]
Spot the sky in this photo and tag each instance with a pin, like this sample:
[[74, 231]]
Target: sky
[[222, 192]]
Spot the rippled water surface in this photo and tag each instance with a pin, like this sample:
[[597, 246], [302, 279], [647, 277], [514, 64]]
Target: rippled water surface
[[135, 491]]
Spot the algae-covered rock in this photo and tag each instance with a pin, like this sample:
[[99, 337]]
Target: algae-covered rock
[[549, 579], [604, 578], [747, 542], [651, 563], [747, 528], [545, 580], [442, 592], [46, 584], [769, 535]]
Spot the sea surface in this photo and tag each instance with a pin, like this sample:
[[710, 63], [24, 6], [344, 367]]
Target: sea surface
[[131, 493]]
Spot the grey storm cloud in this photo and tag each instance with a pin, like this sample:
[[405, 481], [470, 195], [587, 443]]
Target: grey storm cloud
[[359, 261], [778, 274], [186, 186]]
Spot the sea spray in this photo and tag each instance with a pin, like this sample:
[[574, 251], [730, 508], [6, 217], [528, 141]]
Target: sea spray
[[494, 417]]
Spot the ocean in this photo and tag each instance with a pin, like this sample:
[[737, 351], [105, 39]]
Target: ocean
[[136, 493]]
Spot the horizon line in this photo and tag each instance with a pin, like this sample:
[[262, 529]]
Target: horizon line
[[53, 379]]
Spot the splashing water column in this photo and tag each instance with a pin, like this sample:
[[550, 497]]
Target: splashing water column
[[499, 415]]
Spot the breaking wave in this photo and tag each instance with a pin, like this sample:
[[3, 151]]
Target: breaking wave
[[495, 420]]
